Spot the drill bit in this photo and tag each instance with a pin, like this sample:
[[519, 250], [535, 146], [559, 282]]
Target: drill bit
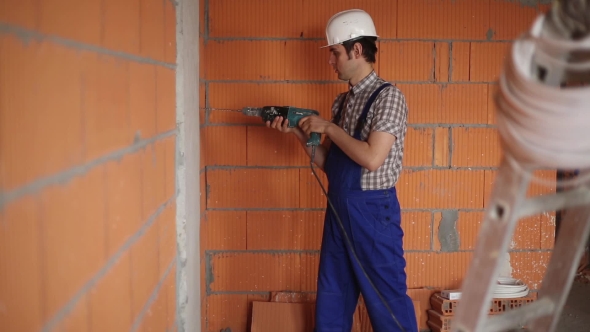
[[252, 111]]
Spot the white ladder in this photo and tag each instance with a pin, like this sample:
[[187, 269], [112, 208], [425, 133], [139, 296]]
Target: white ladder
[[509, 203]]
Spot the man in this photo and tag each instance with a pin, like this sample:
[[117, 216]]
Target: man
[[362, 158]]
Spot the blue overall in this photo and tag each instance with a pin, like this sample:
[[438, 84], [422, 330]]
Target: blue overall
[[372, 221]]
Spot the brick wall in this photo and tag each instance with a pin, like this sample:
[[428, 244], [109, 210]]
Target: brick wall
[[87, 172], [263, 209]]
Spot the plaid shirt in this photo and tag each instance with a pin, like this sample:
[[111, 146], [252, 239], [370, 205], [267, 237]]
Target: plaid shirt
[[388, 113]]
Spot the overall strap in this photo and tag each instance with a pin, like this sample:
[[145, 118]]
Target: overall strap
[[363, 118], [338, 115]]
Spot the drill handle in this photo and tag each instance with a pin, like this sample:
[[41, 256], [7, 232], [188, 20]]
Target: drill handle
[[314, 139]]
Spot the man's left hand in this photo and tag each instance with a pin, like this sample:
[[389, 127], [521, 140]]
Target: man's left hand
[[314, 124]]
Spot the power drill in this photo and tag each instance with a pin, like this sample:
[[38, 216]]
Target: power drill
[[293, 114]]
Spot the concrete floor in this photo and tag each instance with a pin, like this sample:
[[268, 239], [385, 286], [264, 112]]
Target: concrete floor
[[576, 312]]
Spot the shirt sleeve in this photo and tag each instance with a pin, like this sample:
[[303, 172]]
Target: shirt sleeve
[[390, 112]]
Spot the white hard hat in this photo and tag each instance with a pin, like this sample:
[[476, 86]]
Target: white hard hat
[[348, 25]]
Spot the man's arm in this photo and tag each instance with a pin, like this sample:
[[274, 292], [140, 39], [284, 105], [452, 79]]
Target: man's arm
[[370, 154]]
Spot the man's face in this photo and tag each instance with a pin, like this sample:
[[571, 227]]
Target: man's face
[[340, 62]]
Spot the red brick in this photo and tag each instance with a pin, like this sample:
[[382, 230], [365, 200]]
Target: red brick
[[547, 220], [441, 147], [417, 228], [105, 85], [407, 61], [22, 13], [285, 230], [74, 236], [535, 189], [155, 319], [144, 267], [224, 230], [170, 32], [44, 132], [167, 237], [120, 29], [447, 19], [468, 225], [424, 102], [21, 275], [124, 208], [441, 189], [71, 19], [465, 103], [269, 147], [461, 55], [493, 90], [508, 20], [549, 178], [260, 272], [220, 63], [203, 191], [451, 103], [310, 191], [309, 272], [442, 61], [253, 188], [166, 96], [235, 96], [152, 33], [202, 98], [443, 270], [227, 311], [317, 13], [527, 234], [153, 170], [418, 147], [475, 147], [305, 60], [215, 141], [487, 61], [261, 18], [530, 267], [202, 67], [77, 320], [142, 99], [110, 299]]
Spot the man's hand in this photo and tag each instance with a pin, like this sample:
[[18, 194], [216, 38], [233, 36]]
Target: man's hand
[[280, 125], [314, 124]]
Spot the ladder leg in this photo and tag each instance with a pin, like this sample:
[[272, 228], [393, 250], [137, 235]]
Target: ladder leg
[[498, 226], [562, 267]]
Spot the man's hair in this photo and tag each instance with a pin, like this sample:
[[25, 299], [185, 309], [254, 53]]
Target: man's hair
[[368, 44]]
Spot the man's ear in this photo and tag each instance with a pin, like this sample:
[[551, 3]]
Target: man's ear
[[357, 50]]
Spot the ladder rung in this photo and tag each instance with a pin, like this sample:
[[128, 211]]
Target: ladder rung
[[560, 201]]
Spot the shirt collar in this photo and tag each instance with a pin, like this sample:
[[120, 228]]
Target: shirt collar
[[365, 82]]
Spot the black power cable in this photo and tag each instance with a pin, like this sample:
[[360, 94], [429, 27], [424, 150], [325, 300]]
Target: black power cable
[[349, 243]]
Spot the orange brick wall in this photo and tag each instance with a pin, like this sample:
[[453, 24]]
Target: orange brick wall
[[87, 165], [263, 209]]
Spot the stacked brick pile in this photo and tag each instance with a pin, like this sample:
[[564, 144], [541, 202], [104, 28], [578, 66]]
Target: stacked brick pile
[[442, 311]]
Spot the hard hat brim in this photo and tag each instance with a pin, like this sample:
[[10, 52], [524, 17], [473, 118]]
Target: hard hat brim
[[344, 41]]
